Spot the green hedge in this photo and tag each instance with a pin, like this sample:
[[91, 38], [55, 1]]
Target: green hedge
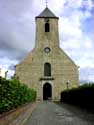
[[14, 94], [82, 96]]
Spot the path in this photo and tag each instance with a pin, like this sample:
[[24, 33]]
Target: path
[[49, 113]]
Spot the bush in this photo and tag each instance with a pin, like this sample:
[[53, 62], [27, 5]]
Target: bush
[[81, 96], [14, 94]]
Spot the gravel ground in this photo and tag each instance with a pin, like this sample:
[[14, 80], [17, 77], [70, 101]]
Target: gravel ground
[[50, 113]]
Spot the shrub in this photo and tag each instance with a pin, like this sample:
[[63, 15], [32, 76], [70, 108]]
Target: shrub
[[81, 96], [14, 94]]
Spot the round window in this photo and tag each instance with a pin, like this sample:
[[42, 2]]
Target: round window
[[47, 49]]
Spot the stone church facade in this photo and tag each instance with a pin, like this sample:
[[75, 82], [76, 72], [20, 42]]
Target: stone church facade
[[47, 68]]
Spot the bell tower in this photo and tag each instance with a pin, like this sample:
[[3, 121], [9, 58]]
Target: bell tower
[[46, 30]]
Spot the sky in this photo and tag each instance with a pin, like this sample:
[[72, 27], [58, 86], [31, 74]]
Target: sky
[[76, 31]]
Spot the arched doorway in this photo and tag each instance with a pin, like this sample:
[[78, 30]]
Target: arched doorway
[[47, 91]]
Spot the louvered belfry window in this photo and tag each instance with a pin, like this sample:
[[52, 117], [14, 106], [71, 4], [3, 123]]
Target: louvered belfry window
[[47, 27]]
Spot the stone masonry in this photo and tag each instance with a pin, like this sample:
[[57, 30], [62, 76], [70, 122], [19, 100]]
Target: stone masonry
[[31, 69]]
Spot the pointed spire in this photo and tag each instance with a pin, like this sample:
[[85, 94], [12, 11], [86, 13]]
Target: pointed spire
[[46, 13]]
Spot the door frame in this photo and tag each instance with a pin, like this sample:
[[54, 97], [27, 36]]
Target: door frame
[[42, 84]]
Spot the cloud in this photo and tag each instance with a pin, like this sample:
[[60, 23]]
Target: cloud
[[86, 72], [17, 36], [77, 39], [8, 64]]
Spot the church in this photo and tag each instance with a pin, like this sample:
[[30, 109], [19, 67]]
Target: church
[[47, 68]]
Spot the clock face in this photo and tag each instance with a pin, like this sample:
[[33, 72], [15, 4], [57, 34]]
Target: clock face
[[47, 49]]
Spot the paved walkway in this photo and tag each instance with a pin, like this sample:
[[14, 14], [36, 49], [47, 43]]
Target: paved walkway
[[49, 113]]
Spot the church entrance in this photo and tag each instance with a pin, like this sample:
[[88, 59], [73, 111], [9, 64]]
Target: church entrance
[[47, 91]]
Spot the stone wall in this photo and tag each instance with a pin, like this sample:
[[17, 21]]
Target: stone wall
[[21, 113]]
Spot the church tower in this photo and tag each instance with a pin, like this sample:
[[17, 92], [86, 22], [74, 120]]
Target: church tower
[[47, 68], [47, 30]]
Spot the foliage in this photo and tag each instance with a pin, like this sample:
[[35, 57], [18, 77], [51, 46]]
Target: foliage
[[14, 94], [81, 96]]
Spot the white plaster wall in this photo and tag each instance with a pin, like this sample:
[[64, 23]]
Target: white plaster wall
[[2, 72]]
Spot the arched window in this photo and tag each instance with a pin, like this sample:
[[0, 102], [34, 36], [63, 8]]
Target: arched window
[[47, 69], [47, 27]]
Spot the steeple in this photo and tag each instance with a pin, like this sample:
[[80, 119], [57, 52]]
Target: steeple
[[46, 13]]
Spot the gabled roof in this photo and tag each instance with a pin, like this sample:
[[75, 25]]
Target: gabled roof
[[46, 13]]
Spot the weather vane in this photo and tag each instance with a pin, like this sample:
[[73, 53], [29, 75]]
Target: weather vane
[[46, 3]]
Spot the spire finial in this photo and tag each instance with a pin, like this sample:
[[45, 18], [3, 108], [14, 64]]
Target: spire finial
[[46, 3]]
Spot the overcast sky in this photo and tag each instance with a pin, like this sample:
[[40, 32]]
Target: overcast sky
[[76, 30]]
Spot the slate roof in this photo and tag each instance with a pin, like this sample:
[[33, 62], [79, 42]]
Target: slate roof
[[46, 13]]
